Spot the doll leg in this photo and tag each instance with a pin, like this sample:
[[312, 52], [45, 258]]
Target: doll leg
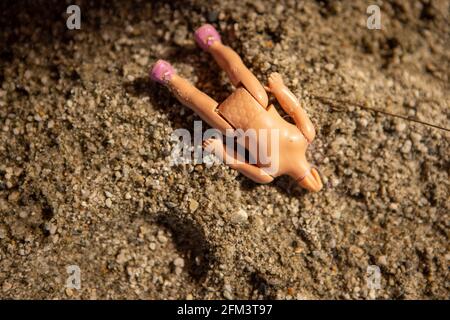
[[162, 72], [208, 39], [216, 147]]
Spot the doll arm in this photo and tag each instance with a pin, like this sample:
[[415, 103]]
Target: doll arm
[[291, 105], [238, 73], [216, 147]]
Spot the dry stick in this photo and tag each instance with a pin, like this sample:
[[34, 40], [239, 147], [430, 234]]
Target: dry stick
[[332, 100]]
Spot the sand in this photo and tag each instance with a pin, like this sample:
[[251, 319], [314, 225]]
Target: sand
[[85, 141]]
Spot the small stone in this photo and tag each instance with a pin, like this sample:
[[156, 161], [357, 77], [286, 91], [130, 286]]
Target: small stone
[[193, 205], [23, 214], [180, 35], [13, 196], [28, 74], [108, 203], [108, 194], [69, 292], [363, 122], [298, 250], [400, 127], [179, 262], [329, 67], [279, 9], [143, 61], [240, 216], [2, 233], [416, 137], [50, 124], [336, 214], [356, 251], [260, 7], [122, 257], [171, 204], [382, 260], [52, 229], [258, 222], [407, 147], [227, 295], [152, 246], [6, 286], [162, 238], [227, 292], [127, 196], [394, 206]]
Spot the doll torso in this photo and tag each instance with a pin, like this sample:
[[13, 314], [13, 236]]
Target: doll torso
[[281, 141]]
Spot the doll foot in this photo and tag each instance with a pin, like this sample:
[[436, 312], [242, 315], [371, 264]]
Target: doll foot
[[162, 72], [214, 146], [275, 81], [211, 145], [206, 35]]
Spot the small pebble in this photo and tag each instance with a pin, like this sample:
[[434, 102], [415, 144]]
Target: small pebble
[[329, 67], [6, 286], [227, 292], [23, 214], [108, 194], [178, 271], [239, 216], [406, 147], [122, 257], [259, 6], [400, 127], [2, 233], [108, 203], [382, 260], [14, 196], [193, 205], [69, 292], [179, 262], [162, 238], [52, 229], [279, 9]]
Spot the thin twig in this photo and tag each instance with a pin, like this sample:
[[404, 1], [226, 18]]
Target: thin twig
[[359, 105]]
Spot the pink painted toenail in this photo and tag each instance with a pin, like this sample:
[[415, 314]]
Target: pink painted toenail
[[206, 35], [162, 71]]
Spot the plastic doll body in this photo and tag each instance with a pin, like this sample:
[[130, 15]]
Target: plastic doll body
[[246, 109]]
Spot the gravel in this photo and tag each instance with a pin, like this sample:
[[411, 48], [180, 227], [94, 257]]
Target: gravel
[[85, 177]]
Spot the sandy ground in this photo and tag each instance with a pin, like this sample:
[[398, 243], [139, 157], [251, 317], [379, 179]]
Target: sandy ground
[[84, 149]]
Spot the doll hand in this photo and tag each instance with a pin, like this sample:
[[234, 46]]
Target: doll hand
[[275, 82]]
